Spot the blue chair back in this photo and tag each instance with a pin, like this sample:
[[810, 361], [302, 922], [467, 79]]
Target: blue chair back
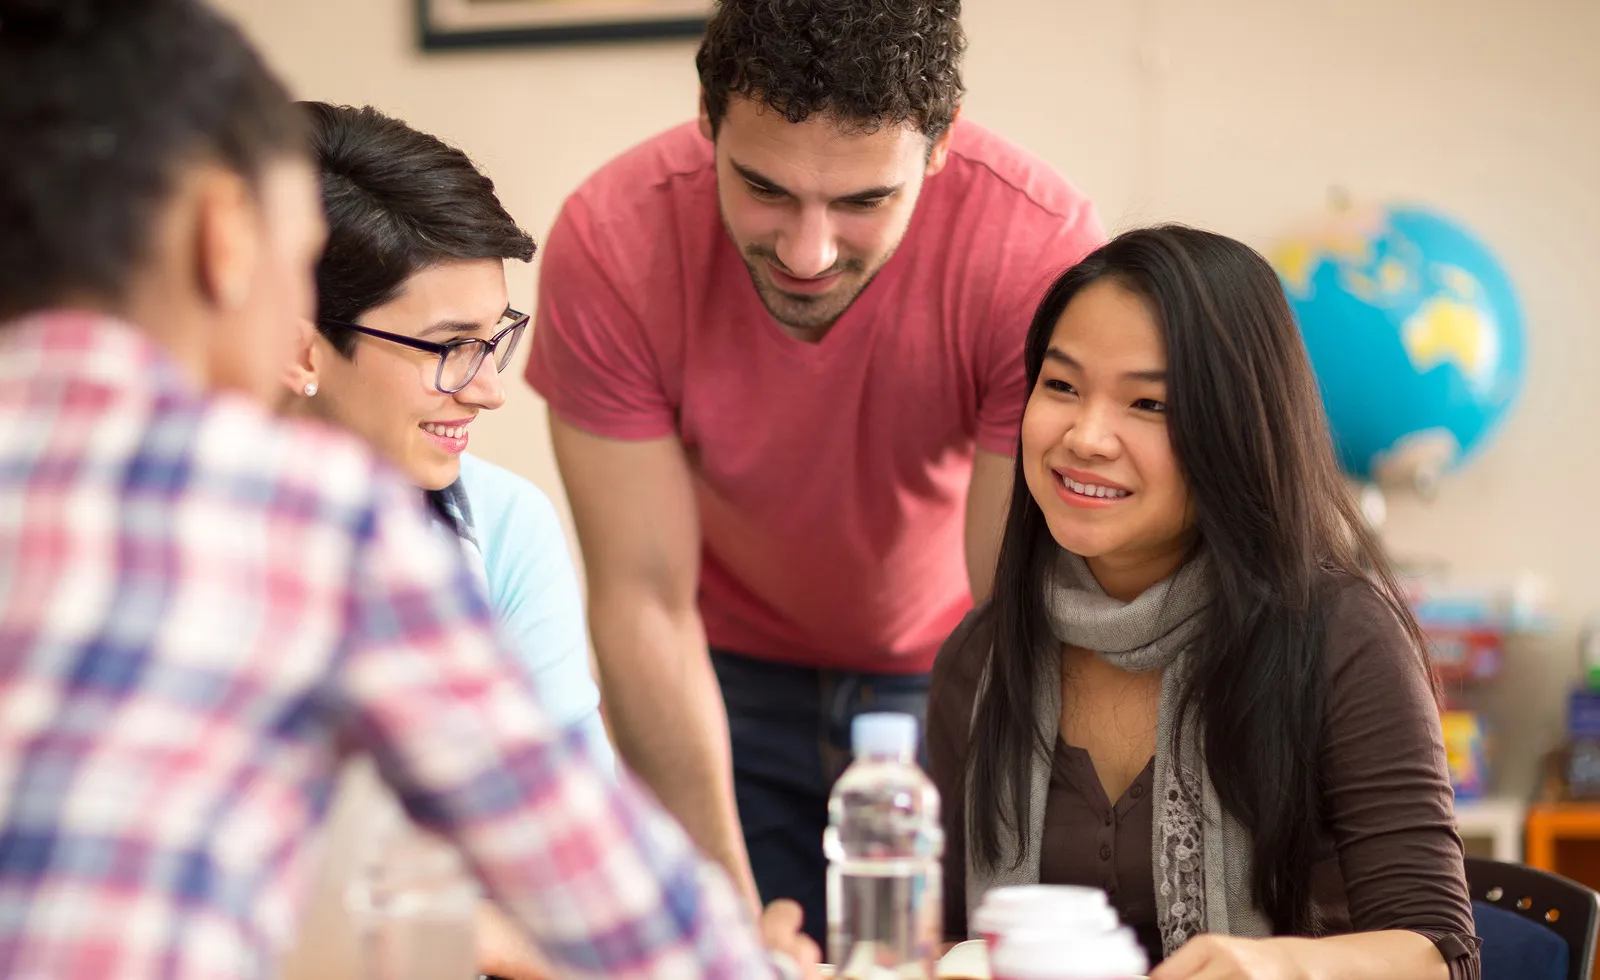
[[1515, 948], [1534, 925]]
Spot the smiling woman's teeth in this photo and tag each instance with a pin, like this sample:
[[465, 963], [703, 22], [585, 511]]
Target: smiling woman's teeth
[[445, 431], [1091, 490]]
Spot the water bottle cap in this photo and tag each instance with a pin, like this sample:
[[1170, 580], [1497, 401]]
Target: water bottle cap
[[884, 733]]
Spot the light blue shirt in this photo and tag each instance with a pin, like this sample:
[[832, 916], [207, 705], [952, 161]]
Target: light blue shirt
[[533, 589]]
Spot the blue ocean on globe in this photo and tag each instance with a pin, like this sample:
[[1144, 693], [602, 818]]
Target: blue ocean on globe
[[1415, 334]]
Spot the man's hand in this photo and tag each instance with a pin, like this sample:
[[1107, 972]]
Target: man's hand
[[780, 932]]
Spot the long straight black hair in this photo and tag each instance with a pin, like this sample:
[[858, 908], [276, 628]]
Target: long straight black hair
[[1272, 514]]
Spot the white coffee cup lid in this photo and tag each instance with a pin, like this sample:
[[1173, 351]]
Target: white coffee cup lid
[[1059, 916], [1055, 894]]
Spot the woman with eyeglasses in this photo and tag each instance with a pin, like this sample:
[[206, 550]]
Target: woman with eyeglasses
[[413, 329]]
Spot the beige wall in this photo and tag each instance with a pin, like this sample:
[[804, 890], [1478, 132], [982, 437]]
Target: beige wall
[[1235, 114]]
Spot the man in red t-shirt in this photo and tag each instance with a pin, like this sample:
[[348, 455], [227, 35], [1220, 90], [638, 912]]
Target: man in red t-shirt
[[782, 351]]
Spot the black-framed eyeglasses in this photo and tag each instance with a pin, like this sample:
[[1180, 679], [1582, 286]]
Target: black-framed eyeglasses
[[459, 360]]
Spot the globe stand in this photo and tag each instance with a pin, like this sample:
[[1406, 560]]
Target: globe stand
[[1374, 506], [1416, 463], [1425, 484]]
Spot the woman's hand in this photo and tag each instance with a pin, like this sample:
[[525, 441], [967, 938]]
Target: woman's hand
[[780, 933], [1211, 957], [503, 950]]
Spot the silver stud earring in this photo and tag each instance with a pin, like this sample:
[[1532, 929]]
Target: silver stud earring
[[311, 388]]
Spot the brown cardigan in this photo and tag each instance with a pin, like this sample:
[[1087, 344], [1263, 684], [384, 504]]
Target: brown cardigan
[[1389, 853]]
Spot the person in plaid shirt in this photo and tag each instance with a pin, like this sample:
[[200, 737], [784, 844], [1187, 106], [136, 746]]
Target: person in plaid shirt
[[203, 608]]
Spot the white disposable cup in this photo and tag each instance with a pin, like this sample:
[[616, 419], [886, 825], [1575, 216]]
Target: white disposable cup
[[1046, 908], [1057, 955]]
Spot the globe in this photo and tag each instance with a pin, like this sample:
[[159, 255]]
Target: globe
[[1415, 334]]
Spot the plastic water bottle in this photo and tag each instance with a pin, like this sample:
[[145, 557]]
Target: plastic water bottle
[[883, 843]]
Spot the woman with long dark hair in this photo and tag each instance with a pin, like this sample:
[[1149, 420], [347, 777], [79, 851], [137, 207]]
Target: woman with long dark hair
[[1196, 685]]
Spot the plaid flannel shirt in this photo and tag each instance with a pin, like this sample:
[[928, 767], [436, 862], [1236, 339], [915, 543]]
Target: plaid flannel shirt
[[200, 606]]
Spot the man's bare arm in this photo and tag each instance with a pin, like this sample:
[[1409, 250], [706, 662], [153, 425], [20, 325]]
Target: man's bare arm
[[638, 526]]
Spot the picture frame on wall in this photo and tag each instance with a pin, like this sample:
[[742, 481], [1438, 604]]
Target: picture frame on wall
[[445, 25]]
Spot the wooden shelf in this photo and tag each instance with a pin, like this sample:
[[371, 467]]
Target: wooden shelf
[[1565, 838], [1551, 825]]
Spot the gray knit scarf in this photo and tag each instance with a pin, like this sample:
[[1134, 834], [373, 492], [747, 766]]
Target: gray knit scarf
[[1200, 855]]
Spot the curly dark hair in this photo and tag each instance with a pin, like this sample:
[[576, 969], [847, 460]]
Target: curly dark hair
[[869, 63]]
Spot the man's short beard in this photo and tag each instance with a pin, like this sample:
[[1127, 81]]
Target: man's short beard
[[808, 313]]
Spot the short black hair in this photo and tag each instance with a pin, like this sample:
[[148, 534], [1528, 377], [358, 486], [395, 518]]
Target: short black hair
[[868, 63], [102, 105], [397, 201]]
